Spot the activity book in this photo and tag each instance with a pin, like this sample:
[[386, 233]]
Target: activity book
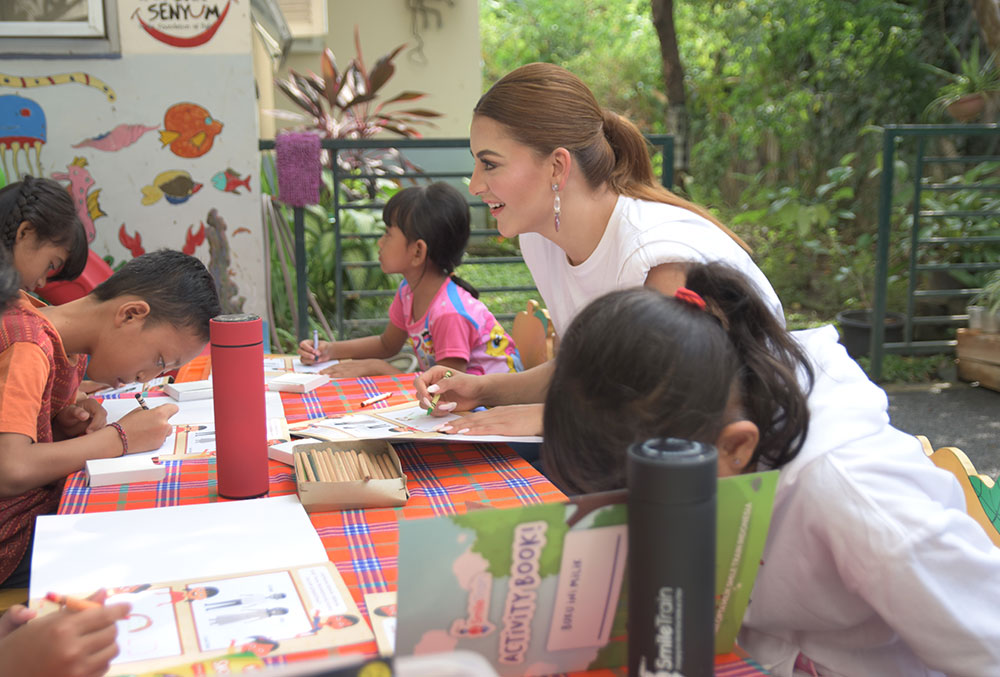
[[542, 589]]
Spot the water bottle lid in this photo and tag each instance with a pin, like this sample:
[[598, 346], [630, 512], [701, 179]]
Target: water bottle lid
[[240, 329], [672, 470]]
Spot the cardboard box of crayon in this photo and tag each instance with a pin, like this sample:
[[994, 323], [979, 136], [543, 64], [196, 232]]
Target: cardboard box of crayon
[[345, 475]]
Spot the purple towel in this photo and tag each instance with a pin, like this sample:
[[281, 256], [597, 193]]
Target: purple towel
[[298, 163]]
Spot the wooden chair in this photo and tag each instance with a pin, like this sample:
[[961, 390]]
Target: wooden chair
[[11, 596], [534, 335], [982, 498]]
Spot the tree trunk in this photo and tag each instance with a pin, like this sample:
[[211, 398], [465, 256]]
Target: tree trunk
[[988, 15], [673, 77]]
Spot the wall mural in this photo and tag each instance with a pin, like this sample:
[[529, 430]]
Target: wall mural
[[175, 185], [80, 184], [230, 181], [131, 198], [122, 136], [22, 120], [189, 130]]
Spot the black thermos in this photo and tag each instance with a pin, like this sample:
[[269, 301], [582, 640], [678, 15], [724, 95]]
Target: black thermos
[[671, 558]]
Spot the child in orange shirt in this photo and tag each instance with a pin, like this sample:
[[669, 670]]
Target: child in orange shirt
[[149, 317]]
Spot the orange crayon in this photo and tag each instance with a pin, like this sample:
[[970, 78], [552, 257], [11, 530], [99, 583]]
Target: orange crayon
[[72, 603]]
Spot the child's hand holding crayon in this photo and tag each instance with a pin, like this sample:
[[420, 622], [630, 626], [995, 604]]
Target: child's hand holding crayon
[[441, 390], [66, 642]]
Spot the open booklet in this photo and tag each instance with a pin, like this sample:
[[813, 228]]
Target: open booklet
[[204, 581], [541, 589], [404, 421]]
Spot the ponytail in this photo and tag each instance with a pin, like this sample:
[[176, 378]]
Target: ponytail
[[544, 107], [770, 358], [467, 286], [635, 364]]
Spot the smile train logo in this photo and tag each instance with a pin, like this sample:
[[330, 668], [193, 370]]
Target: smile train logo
[[182, 23]]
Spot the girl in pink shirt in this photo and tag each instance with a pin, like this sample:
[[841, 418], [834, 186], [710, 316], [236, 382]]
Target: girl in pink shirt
[[426, 231]]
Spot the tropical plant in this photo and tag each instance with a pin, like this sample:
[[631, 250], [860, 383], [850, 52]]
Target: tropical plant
[[344, 104], [338, 104], [972, 77]]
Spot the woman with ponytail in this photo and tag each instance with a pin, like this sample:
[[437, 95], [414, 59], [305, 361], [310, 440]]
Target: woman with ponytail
[[41, 231], [426, 231], [872, 565], [574, 181]]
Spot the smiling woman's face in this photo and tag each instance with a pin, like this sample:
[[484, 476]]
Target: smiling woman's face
[[511, 179]]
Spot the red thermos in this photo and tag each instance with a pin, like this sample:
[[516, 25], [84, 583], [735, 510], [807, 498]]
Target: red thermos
[[240, 416]]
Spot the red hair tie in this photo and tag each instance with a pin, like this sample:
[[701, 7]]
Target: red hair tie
[[687, 296]]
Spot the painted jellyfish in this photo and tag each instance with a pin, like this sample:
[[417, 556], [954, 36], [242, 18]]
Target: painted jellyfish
[[22, 127]]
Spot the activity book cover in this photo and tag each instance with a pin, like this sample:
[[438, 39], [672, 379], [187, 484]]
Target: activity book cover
[[542, 589]]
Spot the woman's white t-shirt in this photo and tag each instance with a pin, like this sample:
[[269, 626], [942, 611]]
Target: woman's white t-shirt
[[640, 235]]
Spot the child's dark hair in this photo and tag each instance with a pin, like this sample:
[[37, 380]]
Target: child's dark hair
[[635, 364], [10, 281], [439, 215], [48, 207], [178, 288]]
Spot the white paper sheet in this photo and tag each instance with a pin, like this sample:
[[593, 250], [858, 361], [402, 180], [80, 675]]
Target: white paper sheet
[[194, 411], [410, 423], [77, 554], [313, 368]]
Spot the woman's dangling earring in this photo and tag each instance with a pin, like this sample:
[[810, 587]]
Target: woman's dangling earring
[[556, 204]]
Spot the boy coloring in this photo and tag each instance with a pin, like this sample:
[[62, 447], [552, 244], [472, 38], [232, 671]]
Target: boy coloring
[[149, 317]]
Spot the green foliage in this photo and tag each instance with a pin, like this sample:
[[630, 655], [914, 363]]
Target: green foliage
[[990, 295], [912, 368], [610, 44], [965, 197]]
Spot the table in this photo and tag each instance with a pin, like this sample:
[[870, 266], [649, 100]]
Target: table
[[363, 544]]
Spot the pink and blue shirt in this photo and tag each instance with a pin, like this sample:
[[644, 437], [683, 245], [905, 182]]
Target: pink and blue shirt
[[455, 325]]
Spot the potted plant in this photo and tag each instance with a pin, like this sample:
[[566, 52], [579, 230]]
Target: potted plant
[[984, 312], [969, 90]]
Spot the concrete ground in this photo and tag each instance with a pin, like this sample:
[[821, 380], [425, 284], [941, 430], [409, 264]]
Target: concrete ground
[[951, 414]]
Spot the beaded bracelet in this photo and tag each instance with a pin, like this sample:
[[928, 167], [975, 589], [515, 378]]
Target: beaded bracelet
[[122, 435]]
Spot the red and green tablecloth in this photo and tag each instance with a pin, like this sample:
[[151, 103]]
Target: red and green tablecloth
[[442, 479]]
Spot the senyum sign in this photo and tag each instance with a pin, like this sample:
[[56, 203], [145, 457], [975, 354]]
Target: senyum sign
[[181, 23]]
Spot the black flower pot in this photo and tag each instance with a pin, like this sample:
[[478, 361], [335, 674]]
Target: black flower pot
[[856, 330]]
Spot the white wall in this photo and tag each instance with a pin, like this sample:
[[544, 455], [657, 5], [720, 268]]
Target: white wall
[[104, 138]]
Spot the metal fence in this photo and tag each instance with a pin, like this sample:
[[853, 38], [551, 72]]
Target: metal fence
[[926, 250], [453, 164]]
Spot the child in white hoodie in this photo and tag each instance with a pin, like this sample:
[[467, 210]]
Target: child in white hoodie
[[872, 566]]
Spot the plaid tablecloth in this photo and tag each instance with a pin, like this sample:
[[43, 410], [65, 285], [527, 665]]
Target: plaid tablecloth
[[363, 544]]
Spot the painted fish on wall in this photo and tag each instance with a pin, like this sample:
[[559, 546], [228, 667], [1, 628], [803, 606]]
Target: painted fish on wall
[[176, 186], [189, 130], [230, 181], [120, 137]]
